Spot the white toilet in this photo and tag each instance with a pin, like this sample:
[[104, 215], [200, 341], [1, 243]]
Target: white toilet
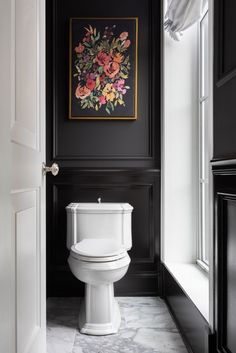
[[98, 237]]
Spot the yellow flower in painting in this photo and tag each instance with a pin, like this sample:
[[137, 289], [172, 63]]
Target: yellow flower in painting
[[109, 92]]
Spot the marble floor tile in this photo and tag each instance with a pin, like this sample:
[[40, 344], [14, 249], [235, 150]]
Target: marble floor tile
[[160, 341], [146, 327]]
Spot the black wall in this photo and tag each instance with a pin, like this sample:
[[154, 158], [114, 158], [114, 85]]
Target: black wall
[[224, 172], [118, 161]]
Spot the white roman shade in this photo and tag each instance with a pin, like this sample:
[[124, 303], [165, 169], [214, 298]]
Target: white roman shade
[[182, 14]]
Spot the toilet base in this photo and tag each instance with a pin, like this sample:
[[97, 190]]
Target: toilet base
[[99, 314]]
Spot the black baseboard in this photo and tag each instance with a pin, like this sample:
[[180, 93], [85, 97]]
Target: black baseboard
[[192, 325], [64, 284]]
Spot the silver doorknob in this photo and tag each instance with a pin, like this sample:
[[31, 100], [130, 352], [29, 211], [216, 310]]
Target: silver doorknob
[[54, 169]]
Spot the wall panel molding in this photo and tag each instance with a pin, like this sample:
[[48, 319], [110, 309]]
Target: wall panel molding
[[225, 266], [225, 71], [225, 271]]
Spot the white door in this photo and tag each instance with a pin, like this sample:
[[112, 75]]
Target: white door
[[22, 199]]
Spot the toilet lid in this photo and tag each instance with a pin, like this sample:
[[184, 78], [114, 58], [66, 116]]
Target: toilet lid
[[98, 248]]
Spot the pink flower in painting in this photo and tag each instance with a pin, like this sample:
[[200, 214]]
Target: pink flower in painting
[[102, 100], [102, 58], [86, 58], [127, 43], [119, 86], [124, 35], [92, 76], [79, 49]]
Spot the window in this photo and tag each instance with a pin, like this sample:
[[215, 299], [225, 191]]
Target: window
[[204, 153]]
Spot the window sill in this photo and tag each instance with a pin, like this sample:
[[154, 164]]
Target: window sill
[[194, 282]]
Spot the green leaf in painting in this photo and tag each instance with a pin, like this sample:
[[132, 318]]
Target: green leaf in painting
[[87, 44], [108, 111], [112, 106], [97, 81], [123, 75], [121, 102], [84, 105], [126, 60]]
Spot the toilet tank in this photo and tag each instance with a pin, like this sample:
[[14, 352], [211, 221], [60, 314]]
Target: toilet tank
[[99, 220]]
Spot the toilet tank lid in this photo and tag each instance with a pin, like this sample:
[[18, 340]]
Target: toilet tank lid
[[103, 207]]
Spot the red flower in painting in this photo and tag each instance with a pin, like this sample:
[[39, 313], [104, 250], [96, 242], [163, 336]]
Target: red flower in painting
[[102, 58], [90, 84], [101, 78]]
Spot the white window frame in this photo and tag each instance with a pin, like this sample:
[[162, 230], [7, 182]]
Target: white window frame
[[204, 180]]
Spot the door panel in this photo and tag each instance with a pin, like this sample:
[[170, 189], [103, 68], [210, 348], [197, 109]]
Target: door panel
[[27, 181], [27, 242], [25, 121]]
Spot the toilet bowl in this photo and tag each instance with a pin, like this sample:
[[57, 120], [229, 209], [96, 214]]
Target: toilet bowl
[[99, 314], [99, 260]]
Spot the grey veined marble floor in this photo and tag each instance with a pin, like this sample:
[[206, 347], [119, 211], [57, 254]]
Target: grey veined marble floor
[[146, 327]]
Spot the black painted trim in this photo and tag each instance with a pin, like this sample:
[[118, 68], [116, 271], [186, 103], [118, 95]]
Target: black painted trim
[[192, 325]]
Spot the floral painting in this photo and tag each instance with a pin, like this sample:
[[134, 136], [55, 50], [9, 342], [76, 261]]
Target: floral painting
[[103, 68]]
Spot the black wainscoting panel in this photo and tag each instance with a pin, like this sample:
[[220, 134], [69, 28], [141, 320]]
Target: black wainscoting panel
[[103, 143], [224, 79], [192, 325], [225, 259], [141, 190]]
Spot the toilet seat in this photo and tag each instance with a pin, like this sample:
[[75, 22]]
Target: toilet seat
[[98, 250]]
